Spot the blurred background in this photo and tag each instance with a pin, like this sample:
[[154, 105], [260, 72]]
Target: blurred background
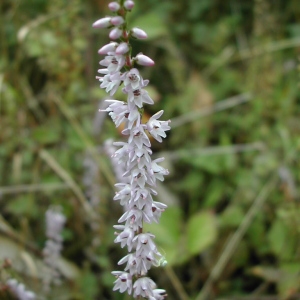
[[227, 76]]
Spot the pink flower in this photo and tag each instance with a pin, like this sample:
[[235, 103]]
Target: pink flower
[[110, 82], [117, 111], [125, 237], [115, 34], [114, 6], [157, 128], [138, 97], [102, 23], [122, 49], [117, 21], [128, 4], [123, 282], [138, 33], [143, 287], [158, 171], [111, 47], [144, 60], [114, 63]]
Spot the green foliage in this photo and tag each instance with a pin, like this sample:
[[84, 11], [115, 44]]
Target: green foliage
[[23, 206], [201, 232]]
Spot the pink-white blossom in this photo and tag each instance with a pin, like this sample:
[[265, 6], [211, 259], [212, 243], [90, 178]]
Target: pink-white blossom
[[129, 4], [123, 282], [114, 6], [138, 33], [122, 49], [102, 23], [115, 33], [117, 21], [111, 47], [144, 60]]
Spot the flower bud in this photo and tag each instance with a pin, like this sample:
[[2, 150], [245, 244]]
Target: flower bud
[[117, 20], [122, 49], [144, 60], [129, 4], [115, 33], [114, 6], [108, 48], [102, 23], [138, 33]]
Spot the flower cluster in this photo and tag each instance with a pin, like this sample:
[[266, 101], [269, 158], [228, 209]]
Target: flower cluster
[[55, 221], [137, 187], [18, 289]]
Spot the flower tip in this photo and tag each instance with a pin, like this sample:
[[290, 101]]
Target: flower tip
[[138, 33], [117, 21], [158, 114], [102, 23], [129, 4], [108, 48], [114, 6], [144, 60], [122, 49], [115, 33]]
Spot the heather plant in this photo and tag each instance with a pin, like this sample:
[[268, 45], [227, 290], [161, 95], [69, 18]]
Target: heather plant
[[141, 172], [231, 227], [55, 221]]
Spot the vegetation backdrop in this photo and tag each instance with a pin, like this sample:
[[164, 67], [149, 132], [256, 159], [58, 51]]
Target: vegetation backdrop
[[226, 74]]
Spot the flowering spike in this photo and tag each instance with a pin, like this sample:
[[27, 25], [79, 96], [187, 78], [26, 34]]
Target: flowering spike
[[55, 221], [137, 173]]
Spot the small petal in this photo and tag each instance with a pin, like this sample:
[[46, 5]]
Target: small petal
[[122, 49], [138, 33], [102, 23], [144, 60], [111, 47], [114, 6], [115, 33], [159, 294], [116, 21], [157, 115], [128, 4]]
